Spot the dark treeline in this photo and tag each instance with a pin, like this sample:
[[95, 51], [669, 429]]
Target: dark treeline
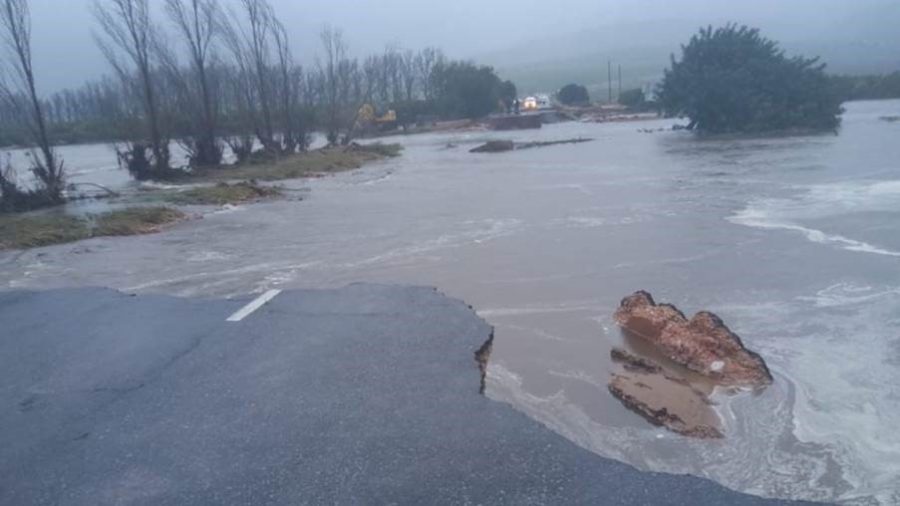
[[210, 74], [868, 87]]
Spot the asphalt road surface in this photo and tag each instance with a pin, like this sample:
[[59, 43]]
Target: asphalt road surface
[[363, 395]]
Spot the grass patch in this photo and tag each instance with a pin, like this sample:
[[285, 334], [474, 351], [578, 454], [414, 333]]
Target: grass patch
[[223, 193], [19, 232], [312, 163], [133, 221], [22, 232]]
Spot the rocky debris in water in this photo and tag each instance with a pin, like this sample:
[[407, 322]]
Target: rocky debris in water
[[543, 144], [663, 398], [494, 147], [503, 146], [703, 344], [634, 363]]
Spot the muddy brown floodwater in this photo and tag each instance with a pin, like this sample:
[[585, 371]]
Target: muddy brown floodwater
[[794, 242]]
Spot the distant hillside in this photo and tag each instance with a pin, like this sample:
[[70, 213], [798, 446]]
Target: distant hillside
[[865, 43]]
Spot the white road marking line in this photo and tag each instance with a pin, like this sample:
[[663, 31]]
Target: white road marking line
[[253, 306]]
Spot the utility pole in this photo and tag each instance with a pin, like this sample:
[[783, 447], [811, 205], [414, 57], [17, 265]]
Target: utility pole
[[619, 96], [609, 78]]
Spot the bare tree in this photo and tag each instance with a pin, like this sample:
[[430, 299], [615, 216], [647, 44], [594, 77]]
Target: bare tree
[[371, 69], [385, 74], [240, 88], [250, 43], [408, 74], [130, 36], [197, 21], [393, 63], [288, 79], [260, 26], [335, 51], [16, 22], [426, 61]]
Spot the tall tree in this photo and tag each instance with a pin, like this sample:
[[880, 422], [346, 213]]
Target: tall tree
[[466, 90], [16, 22], [573, 94], [259, 19], [408, 74], [197, 22], [289, 78], [128, 42], [335, 52], [426, 61], [250, 41]]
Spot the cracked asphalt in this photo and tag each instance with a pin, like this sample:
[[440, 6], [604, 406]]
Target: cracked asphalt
[[363, 395]]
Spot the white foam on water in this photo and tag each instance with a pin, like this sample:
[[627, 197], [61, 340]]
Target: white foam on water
[[749, 459], [822, 201], [848, 294], [824, 431], [208, 256], [838, 350], [471, 232]]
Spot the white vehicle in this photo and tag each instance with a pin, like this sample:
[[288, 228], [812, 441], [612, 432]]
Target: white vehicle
[[537, 103], [544, 102]]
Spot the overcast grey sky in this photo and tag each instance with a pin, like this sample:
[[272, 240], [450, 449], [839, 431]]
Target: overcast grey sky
[[65, 54]]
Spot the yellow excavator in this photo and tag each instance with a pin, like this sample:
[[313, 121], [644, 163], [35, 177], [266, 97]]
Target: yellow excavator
[[368, 119]]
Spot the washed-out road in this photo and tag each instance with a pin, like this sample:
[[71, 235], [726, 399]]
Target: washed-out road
[[363, 395]]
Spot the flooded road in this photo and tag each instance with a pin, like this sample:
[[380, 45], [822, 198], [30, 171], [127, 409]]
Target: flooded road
[[794, 242]]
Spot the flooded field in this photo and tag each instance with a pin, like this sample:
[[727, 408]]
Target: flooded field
[[794, 242]]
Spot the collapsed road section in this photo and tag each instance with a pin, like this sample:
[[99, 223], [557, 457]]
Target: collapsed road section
[[363, 395]]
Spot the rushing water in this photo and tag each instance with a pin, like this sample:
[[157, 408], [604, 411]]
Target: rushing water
[[795, 242]]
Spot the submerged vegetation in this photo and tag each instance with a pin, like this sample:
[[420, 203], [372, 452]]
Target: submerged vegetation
[[31, 231], [733, 80], [216, 75], [311, 163], [132, 221], [224, 193]]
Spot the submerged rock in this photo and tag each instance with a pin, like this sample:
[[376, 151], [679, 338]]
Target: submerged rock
[[703, 344], [494, 147], [663, 398]]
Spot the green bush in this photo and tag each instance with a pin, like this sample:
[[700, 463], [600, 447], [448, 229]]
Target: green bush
[[574, 94], [732, 79]]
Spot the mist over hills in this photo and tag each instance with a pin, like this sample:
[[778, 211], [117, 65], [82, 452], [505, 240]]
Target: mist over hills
[[540, 45], [864, 41]]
